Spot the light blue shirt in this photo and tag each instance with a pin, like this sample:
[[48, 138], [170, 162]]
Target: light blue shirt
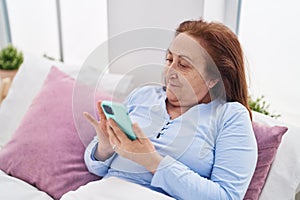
[[209, 152]]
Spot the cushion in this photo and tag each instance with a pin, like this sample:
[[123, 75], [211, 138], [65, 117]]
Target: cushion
[[29, 80], [284, 175], [46, 150], [25, 86], [268, 140]]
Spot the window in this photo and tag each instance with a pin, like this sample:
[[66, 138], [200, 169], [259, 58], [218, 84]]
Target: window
[[34, 27]]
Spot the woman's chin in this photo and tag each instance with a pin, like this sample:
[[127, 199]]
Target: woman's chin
[[172, 96]]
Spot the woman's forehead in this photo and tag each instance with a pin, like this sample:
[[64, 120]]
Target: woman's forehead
[[186, 46]]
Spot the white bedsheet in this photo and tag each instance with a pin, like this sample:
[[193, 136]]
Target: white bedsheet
[[108, 189], [15, 189], [114, 189]]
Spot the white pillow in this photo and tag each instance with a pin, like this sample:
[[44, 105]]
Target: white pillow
[[284, 176], [29, 80], [16, 189], [114, 188]]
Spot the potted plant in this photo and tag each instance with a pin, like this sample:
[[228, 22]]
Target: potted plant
[[10, 61], [261, 106]]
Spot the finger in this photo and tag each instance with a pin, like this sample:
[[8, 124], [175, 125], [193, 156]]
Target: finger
[[138, 131], [90, 119], [112, 137], [117, 130], [100, 111], [102, 116]]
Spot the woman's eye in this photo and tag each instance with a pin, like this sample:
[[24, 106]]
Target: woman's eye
[[169, 60], [182, 65]]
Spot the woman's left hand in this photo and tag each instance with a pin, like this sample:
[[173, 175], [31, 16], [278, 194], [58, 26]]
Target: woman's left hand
[[141, 150]]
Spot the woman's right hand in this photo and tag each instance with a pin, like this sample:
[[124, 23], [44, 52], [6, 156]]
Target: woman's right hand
[[104, 149]]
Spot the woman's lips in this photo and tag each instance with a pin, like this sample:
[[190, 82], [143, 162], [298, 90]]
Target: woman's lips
[[173, 85]]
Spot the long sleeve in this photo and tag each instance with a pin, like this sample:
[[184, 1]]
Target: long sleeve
[[94, 166], [234, 163]]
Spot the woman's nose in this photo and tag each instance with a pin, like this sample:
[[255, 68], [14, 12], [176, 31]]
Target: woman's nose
[[171, 71], [173, 64]]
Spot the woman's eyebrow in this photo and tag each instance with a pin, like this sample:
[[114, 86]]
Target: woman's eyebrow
[[168, 52], [186, 57], [181, 56]]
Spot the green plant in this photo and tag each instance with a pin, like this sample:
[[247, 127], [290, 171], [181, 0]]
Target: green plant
[[10, 58], [261, 106]]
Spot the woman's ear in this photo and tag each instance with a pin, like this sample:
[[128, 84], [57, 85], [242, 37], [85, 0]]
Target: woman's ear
[[212, 83]]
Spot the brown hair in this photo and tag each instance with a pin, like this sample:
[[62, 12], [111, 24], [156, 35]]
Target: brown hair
[[225, 50]]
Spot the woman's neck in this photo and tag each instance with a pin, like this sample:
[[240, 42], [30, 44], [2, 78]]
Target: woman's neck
[[175, 111]]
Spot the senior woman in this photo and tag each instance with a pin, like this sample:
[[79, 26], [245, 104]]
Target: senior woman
[[195, 139]]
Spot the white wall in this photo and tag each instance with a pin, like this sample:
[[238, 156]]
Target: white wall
[[132, 14], [84, 27], [225, 11], [138, 59], [269, 33]]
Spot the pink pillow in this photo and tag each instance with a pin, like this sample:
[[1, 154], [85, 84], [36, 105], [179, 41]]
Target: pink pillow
[[46, 150], [268, 140]]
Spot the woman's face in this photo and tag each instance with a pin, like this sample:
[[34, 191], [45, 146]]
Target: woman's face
[[186, 81]]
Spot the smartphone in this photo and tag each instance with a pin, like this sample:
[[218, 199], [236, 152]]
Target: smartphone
[[119, 114]]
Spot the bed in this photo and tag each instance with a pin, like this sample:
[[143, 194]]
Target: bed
[[54, 169]]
